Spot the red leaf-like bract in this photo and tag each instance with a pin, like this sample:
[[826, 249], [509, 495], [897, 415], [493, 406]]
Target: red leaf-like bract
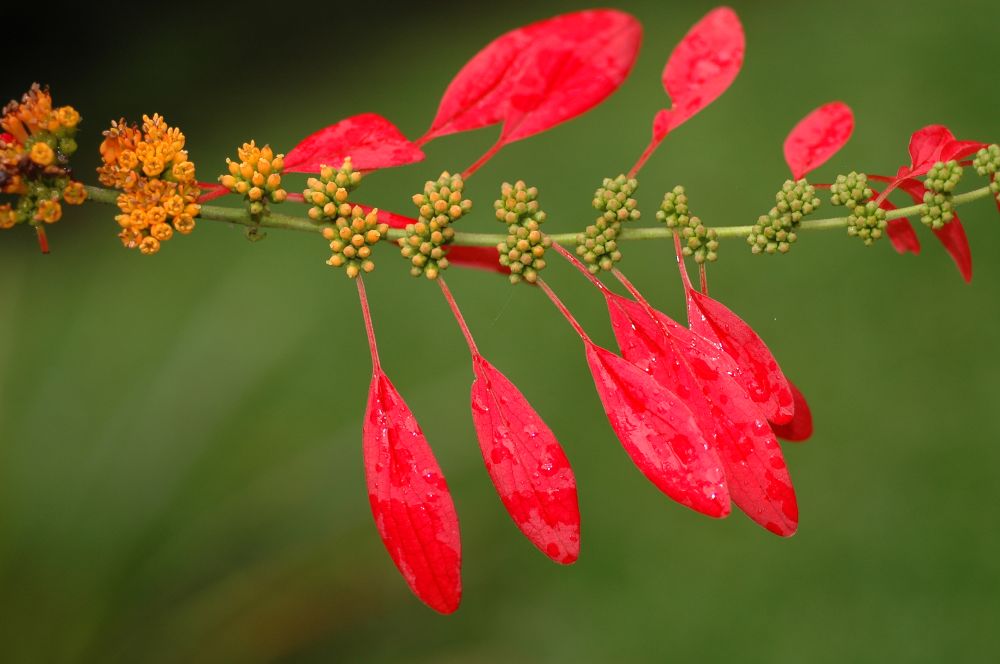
[[534, 77], [371, 141], [527, 465], [817, 137], [929, 145], [479, 258], [210, 191], [900, 231], [701, 67], [702, 375], [801, 426], [759, 374], [659, 434], [952, 235], [410, 500]]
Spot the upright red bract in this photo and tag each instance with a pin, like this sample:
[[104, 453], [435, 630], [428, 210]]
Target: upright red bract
[[371, 141], [537, 76], [409, 496], [817, 137], [702, 66]]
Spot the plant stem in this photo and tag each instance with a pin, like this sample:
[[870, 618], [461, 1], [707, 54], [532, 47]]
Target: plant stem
[[301, 223]]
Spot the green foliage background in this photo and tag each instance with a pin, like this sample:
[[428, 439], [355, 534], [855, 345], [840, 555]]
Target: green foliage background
[[180, 462]]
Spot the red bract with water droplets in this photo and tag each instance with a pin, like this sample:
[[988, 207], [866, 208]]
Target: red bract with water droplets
[[655, 428], [817, 137], [409, 496], [701, 374], [525, 461], [759, 373], [801, 426], [371, 141], [537, 76], [527, 465], [702, 66]]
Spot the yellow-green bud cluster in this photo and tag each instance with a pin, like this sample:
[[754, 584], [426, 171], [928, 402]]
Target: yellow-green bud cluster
[[866, 221], [256, 176], [426, 241], [330, 190], [944, 177], [936, 210], [523, 252], [850, 190], [598, 244], [940, 183], [987, 164], [353, 238], [774, 232], [696, 239]]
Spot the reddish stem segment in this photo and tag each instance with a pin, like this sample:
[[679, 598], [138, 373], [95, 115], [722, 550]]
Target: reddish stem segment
[[369, 329], [458, 316], [575, 262], [703, 278], [479, 163], [43, 240], [644, 157], [563, 310], [680, 263]]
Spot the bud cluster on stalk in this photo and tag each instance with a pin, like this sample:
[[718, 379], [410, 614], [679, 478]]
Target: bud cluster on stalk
[[523, 250], [598, 244], [696, 239], [426, 241], [774, 232], [256, 176], [865, 219]]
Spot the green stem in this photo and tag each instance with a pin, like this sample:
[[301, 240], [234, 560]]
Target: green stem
[[291, 222]]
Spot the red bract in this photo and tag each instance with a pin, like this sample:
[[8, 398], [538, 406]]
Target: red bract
[[801, 426], [409, 497], [210, 191], [817, 137], [702, 375], [700, 68], [525, 461], [928, 146], [657, 431], [534, 77], [900, 231], [759, 373], [951, 235], [371, 141], [527, 465], [480, 258]]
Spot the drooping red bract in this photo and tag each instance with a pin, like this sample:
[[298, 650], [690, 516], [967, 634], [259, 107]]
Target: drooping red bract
[[480, 258], [952, 235], [527, 465], [659, 434], [801, 426], [534, 77], [371, 141], [701, 67], [817, 137], [759, 374], [702, 376], [410, 500], [900, 231]]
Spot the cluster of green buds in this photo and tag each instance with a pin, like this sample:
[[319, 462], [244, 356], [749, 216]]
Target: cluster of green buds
[[256, 176], [865, 219], [987, 164], [425, 244], [696, 239], [940, 183], [598, 244], [352, 239], [327, 193], [523, 251], [774, 232]]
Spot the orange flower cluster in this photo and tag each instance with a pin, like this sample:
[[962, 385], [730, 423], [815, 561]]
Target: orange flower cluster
[[159, 190], [35, 147], [256, 176]]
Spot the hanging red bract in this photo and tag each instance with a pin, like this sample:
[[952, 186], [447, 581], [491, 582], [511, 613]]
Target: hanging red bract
[[371, 141]]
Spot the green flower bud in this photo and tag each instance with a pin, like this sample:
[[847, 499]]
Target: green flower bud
[[936, 210], [696, 239], [987, 161], [439, 205], [943, 177], [850, 190], [775, 232], [597, 245], [867, 222]]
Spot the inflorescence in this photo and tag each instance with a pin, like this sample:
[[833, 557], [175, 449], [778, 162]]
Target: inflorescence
[[598, 244], [774, 232], [427, 240], [256, 177], [696, 239], [523, 251]]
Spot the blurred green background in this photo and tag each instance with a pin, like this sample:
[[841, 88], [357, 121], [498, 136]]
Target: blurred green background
[[180, 458]]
